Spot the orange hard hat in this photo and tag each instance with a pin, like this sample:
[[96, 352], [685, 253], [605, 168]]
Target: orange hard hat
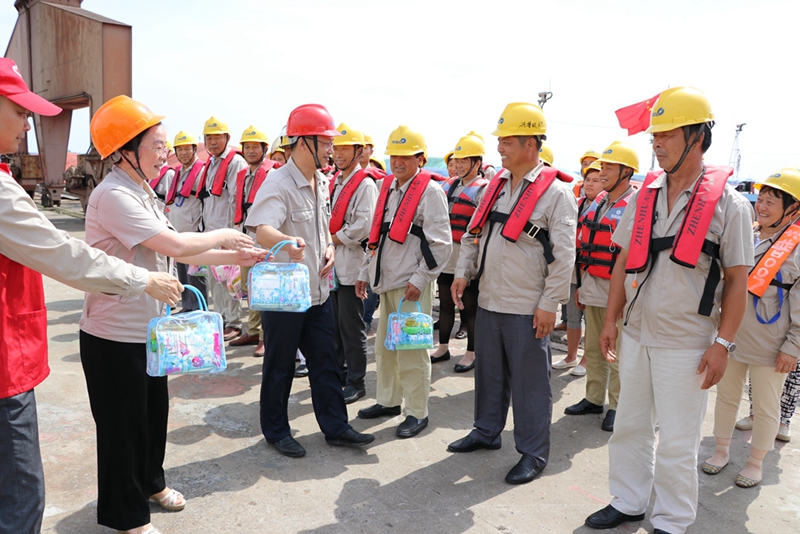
[[311, 119], [118, 121]]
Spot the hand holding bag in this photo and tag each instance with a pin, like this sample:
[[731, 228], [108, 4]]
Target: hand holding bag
[[409, 331], [273, 286], [186, 343]]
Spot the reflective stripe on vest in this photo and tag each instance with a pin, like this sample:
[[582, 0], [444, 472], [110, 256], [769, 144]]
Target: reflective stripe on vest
[[188, 183], [464, 205], [261, 172], [597, 253], [343, 200], [764, 273], [219, 176]]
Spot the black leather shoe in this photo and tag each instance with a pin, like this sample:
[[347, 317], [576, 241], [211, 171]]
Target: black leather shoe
[[610, 517], [288, 446], [464, 368], [608, 422], [583, 407], [411, 427], [443, 358], [350, 437], [377, 410], [351, 394], [525, 471], [659, 531], [468, 444]]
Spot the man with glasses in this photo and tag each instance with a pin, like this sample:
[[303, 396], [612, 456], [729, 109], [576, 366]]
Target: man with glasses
[[292, 204], [217, 191]]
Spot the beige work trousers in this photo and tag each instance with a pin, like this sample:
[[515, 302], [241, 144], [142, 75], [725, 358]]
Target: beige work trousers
[[767, 388], [403, 375], [254, 317], [600, 374]]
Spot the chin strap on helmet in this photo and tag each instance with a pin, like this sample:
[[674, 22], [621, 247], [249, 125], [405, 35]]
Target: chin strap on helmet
[[313, 152], [706, 127], [138, 166]]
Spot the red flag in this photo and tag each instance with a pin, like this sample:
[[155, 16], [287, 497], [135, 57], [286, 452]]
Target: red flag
[[636, 118]]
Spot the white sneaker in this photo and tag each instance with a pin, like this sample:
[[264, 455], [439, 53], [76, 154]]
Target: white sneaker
[[783, 434], [564, 364], [745, 423], [579, 371]]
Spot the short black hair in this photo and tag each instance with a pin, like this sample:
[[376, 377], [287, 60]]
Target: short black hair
[[690, 131], [787, 199], [538, 138]]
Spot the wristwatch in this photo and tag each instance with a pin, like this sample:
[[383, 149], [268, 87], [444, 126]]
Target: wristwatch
[[729, 345]]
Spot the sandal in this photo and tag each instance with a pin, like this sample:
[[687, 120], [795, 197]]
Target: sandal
[[169, 502]]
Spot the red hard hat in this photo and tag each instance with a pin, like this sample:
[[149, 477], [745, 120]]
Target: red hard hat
[[311, 119]]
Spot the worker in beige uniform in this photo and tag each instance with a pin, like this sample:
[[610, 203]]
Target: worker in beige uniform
[[292, 204], [185, 211], [521, 254], [680, 279], [217, 190], [411, 238], [254, 149], [768, 341], [597, 255], [30, 245], [353, 197]]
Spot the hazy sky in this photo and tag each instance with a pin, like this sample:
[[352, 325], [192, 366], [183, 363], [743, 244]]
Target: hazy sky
[[446, 68]]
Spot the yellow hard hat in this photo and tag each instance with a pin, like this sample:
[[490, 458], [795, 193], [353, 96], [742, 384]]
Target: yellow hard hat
[[593, 166], [169, 146], [215, 126], [284, 142], [589, 154], [546, 154], [184, 138], [404, 141], [521, 118], [622, 154], [378, 163], [350, 136], [469, 146], [276, 146], [677, 107], [447, 157], [368, 140], [254, 135], [786, 180]]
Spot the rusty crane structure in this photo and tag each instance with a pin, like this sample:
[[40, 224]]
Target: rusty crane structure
[[75, 59]]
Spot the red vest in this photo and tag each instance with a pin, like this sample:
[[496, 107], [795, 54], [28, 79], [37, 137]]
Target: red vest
[[689, 241], [23, 328], [219, 176], [597, 253], [400, 225], [155, 181], [464, 205], [188, 183], [349, 189], [261, 173], [524, 206]]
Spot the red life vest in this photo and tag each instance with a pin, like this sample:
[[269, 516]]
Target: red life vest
[[402, 223], [690, 240], [464, 205], [261, 172], [219, 176], [23, 329], [155, 181], [597, 253], [188, 183], [343, 200]]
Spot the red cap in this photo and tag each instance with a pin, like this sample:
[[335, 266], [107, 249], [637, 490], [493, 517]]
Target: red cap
[[13, 87], [309, 120]]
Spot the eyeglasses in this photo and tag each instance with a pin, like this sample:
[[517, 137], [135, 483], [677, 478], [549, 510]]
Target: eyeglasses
[[158, 149]]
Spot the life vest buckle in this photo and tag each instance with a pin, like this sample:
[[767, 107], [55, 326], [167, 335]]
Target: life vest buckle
[[533, 231]]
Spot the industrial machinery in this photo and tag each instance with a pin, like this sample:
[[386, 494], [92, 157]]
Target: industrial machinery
[[75, 59]]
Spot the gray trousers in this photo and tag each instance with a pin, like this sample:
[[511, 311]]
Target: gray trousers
[[224, 304], [21, 472], [350, 335], [188, 298], [510, 363]]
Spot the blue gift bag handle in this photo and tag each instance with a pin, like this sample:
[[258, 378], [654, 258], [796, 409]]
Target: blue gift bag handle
[[400, 306], [200, 299], [278, 246]]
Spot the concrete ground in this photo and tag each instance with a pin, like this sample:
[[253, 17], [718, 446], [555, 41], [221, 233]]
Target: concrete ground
[[235, 483]]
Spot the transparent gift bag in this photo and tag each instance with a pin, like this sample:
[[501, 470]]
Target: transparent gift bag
[[231, 277], [274, 286], [409, 331], [189, 342]]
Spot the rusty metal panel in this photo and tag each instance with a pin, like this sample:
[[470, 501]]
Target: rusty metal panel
[[117, 63], [31, 167]]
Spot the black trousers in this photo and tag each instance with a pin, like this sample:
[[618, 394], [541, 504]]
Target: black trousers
[[130, 412], [350, 334], [447, 310], [312, 333]]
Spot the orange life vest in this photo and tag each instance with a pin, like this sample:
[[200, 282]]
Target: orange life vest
[[188, 183], [464, 205], [243, 206], [343, 200], [597, 253], [219, 177], [764, 273]]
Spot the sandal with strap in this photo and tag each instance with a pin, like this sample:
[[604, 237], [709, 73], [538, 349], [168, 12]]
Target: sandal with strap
[[169, 501]]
